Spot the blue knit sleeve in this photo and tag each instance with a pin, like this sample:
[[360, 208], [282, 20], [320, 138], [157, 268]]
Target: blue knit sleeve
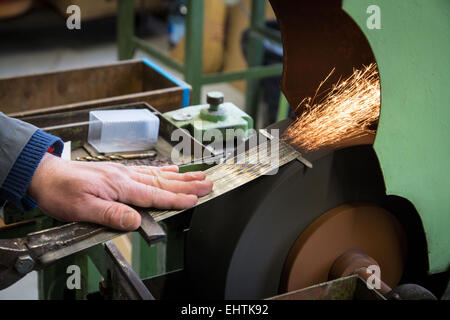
[[16, 184]]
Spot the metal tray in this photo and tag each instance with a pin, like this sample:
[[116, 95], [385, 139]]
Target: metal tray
[[75, 89]]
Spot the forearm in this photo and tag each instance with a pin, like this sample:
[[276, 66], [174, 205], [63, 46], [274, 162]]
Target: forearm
[[22, 147]]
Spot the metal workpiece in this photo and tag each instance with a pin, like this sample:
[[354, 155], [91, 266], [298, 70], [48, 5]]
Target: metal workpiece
[[53, 244], [114, 157], [39, 249], [150, 230], [234, 172], [123, 281]]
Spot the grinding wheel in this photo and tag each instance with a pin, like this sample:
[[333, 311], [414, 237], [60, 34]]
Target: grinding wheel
[[237, 245], [366, 228]]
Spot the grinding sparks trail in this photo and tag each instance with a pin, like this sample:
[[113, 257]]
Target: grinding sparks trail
[[349, 110]]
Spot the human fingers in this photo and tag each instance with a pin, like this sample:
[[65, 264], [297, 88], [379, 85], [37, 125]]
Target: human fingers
[[109, 213], [188, 176], [197, 187], [143, 195], [172, 168]]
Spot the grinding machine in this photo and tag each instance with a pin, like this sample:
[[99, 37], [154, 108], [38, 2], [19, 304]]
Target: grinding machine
[[369, 201], [321, 225]]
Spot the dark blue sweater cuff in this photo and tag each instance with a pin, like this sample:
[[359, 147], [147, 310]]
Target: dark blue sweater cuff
[[17, 182]]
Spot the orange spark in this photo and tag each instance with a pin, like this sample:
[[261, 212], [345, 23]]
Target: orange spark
[[349, 110]]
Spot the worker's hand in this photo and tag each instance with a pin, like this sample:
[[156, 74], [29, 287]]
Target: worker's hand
[[96, 192]]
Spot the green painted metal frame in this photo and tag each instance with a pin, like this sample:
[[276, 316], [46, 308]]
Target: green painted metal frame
[[283, 108], [128, 43], [412, 141]]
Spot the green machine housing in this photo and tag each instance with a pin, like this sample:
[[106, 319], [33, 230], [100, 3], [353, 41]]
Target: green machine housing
[[409, 41], [412, 143], [213, 121]]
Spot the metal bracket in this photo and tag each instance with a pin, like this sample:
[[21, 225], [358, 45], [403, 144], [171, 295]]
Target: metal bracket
[[124, 281]]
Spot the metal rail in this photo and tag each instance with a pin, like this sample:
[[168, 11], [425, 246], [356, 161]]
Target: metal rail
[[128, 43]]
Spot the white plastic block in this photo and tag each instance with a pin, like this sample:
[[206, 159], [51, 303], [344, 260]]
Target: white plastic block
[[123, 130]]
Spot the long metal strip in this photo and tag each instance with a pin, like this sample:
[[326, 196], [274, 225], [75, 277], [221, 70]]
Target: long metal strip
[[53, 244], [226, 176], [240, 170]]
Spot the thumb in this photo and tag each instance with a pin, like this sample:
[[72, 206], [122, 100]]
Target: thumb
[[111, 214]]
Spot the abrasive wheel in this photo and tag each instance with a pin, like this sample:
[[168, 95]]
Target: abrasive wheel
[[361, 227], [238, 244]]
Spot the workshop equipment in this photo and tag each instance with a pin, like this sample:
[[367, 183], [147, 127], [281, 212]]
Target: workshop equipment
[[285, 232], [241, 169], [33, 241], [20, 256], [316, 227], [215, 115]]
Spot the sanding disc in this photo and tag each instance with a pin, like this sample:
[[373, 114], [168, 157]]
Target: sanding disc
[[367, 228]]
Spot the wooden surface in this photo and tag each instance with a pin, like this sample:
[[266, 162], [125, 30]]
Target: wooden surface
[[130, 81]]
